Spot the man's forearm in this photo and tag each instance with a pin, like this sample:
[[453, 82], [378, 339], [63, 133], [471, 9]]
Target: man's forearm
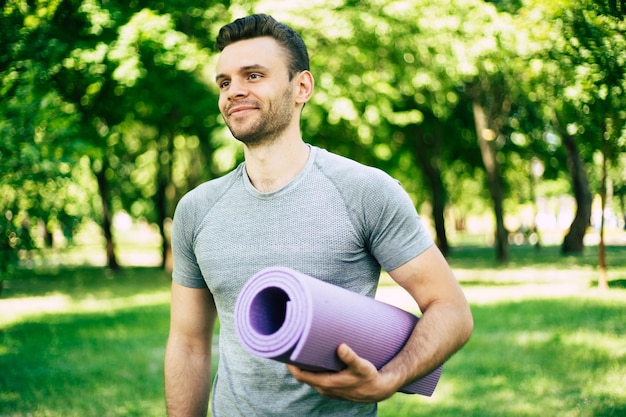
[[441, 331], [187, 382], [445, 326]]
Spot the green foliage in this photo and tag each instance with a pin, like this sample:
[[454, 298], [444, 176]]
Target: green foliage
[[579, 62], [37, 187], [118, 83], [123, 92]]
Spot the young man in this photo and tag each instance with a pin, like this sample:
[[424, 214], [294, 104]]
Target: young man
[[291, 204]]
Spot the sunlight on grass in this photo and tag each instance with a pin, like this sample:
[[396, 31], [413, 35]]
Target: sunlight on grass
[[610, 386], [603, 343], [526, 275], [529, 338], [16, 310], [482, 295]]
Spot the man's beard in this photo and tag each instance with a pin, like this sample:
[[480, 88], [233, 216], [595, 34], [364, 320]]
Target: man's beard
[[270, 123]]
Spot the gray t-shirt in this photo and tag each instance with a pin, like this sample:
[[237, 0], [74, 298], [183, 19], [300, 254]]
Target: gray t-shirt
[[338, 221]]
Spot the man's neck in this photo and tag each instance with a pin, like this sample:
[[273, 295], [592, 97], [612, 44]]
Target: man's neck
[[272, 166]]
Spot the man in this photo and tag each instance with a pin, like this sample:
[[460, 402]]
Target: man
[[291, 204]]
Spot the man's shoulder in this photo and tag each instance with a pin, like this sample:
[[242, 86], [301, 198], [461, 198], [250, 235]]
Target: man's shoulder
[[211, 190], [342, 170]]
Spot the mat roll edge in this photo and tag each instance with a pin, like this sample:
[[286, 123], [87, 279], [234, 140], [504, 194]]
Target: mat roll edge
[[291, 317]]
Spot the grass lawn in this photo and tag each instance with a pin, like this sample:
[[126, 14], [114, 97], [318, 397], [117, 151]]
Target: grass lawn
[[79, 342], [85, 345]]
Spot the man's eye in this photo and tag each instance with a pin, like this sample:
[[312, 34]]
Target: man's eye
[[224, 84], [254, 76]]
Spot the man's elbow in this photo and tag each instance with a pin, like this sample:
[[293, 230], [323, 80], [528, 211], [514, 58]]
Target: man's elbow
[[467, 326]]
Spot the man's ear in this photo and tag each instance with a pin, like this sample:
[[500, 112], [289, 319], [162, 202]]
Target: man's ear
[[304, 83]]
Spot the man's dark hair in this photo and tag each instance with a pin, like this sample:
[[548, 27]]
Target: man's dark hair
[[259, 25]]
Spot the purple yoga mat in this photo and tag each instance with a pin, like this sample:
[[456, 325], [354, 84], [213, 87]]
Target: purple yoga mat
[[293, 318]]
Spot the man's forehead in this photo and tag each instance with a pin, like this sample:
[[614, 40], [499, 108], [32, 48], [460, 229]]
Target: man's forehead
[[263, 51]]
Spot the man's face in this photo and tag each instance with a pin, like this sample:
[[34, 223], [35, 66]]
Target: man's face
[[256, 96]]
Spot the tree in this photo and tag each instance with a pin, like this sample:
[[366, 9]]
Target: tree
[[391, 74], [36, 192], [167, 92], [109, 67], [582, 83]]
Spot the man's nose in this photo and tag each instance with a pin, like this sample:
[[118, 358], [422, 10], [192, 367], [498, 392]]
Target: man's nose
[[237, 89]]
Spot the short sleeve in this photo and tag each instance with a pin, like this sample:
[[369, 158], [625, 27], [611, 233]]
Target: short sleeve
[[186, 269], [395, 231]]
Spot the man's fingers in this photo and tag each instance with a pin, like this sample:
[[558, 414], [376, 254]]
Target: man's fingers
[[356, 364], [346, 354], [350, 383], [295, 371]]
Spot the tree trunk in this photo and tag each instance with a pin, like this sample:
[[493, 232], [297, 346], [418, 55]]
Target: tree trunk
[[427, 152], [573, 243], [107, 216], [488, 153], [165, 193], [603, 282], [622, 203], [536, 170], [161, 216]]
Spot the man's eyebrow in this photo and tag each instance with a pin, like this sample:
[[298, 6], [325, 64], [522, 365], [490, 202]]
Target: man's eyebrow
[[245, 68]]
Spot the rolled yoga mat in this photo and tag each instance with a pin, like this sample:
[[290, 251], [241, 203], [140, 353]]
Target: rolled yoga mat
[[293, 318]]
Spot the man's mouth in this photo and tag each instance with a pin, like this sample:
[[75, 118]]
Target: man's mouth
[[240, 110]]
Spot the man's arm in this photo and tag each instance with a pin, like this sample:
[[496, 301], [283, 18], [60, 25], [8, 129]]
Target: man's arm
[[445, 326], [188, 352]]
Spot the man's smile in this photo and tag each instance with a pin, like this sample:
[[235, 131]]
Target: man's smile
[[239, 110]]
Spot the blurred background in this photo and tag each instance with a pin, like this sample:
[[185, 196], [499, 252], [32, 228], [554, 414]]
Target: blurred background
[[504, 120]]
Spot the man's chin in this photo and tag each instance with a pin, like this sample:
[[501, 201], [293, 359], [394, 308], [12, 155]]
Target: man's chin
[[249, 139], [244, 135]]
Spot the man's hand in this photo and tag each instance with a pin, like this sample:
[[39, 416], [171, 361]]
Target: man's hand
[[360, 381]]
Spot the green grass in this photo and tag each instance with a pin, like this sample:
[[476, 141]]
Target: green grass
[[80, 342], [555, 357], [104, 364], [99, 353]]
